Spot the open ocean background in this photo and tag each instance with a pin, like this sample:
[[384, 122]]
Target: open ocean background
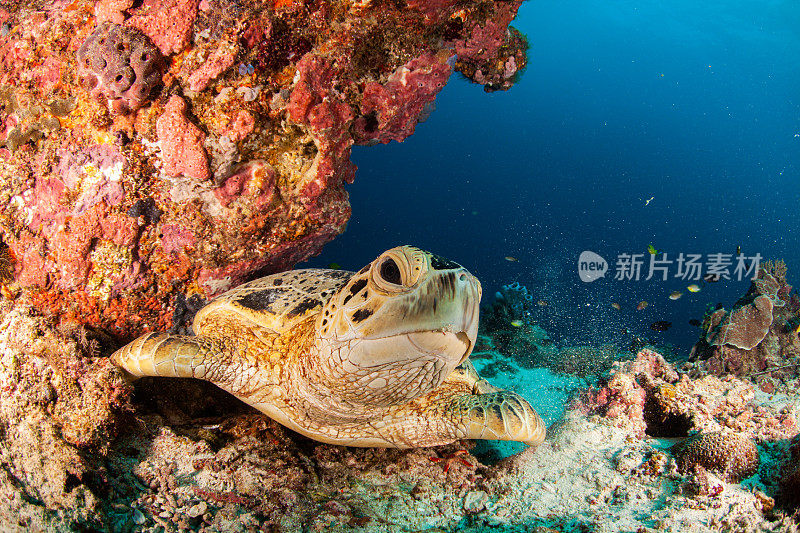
[[695, 104]]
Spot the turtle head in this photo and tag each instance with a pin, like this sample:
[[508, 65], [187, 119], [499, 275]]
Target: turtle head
[[399, 327]]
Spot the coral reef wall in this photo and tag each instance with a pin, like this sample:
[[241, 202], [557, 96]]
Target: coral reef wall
[[157, 153]]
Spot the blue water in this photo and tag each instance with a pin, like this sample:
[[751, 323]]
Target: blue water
[[695, 104]]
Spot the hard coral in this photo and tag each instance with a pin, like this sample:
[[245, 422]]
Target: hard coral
[[121, 65], [758, 333], [732, 456], [744, 327]]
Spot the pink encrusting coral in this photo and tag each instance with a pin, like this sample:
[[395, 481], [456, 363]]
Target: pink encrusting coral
[[390, 111], [492, 53], [181, 142], [167, 22], [220, 60]]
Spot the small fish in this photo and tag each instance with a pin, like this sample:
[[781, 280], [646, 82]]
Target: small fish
[[651, 249], [542, 303], [335, 266], [474, 213], [516, 323], [616, 306], [694, 322], [642, 305], [651, 198], [675, 295], [797, 329], [738, 250], [660, 325], [694, 287], [711, 278], [511, 258]]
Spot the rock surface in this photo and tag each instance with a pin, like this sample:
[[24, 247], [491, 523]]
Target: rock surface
[[153, 152]]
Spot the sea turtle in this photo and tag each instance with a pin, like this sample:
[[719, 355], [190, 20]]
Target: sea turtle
[[373, 358]]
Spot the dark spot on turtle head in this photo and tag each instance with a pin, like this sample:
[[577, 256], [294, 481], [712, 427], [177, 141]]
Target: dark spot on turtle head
[[306, 305], [362, 314], [357, 286], [364, 270], [440, 263], [277, 281], [261, 300], [496, 411], [354, 289], [447, 282]]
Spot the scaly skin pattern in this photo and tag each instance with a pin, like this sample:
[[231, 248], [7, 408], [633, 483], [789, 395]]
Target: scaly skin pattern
[[376, 358]]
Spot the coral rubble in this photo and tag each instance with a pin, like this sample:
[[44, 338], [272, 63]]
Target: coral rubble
[[232, 122]]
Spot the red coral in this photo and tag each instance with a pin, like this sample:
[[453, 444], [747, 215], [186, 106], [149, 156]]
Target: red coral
[[111, 11], [219, 61], [391, 111], [494, 52], [175, 238], [30, 268], [313, 103], [181, 142], [314, 85], [168, 23], [282, 257], [241, 126], [434, 10], [256, 179]]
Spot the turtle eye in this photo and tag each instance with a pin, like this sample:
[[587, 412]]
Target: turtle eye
[[390, 272]]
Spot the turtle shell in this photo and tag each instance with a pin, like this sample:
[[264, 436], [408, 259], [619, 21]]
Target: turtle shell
[[277, 302]]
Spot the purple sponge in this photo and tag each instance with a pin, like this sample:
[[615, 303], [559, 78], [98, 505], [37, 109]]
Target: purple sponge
[[121, 65]]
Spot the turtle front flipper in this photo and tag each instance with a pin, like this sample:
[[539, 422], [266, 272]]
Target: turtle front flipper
[[159, 354], [501, 415]]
